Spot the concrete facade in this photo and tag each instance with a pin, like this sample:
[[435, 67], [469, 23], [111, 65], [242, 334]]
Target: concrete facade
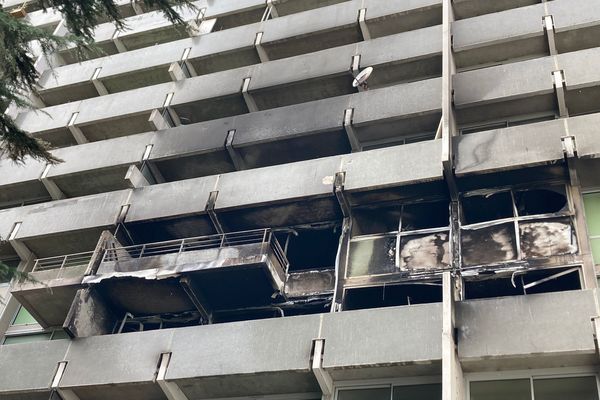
[[234, 219]]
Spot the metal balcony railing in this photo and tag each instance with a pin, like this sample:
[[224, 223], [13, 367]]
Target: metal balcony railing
[[261, 236], [61, 262]]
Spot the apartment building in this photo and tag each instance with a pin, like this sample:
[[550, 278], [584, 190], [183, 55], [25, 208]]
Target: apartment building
[[236, 217]]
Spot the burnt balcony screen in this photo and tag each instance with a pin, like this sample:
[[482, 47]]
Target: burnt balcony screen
[[488, 245], [422, 252], [547, 238]]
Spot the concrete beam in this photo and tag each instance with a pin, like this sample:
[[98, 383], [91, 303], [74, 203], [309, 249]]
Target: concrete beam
[[362, 23], [558, 78], [262, 54]]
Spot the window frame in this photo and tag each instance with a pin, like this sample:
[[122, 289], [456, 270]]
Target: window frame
[[399, 235], [517, 219], [589, 235], [384, 383], [533, 374]]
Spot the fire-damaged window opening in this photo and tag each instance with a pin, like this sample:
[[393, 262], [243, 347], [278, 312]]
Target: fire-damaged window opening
[[499, 226], [311, 247], [402, 294], [399, 238], [524, 282]]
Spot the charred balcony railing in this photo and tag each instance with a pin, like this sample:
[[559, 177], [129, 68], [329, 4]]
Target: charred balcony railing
[[265, 237]]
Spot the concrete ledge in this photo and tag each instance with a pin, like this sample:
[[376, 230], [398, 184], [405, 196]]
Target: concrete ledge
[[522, 331]]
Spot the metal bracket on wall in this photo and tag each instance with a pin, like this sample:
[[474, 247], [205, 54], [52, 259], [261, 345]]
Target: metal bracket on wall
[[548, 23], [559, 81], [262, 54], [100, 88], [170, 389], [362, 23], [323, 378], [238, 161], [338, 190], [250, 103], [64, 394], [210, 210], [75, 131], [354, 142]]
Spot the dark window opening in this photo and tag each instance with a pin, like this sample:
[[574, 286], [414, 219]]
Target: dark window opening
[[308, 249], [374, 221], [541, 201], [487, 208], [532, 282], [392, 295], [425, 216]]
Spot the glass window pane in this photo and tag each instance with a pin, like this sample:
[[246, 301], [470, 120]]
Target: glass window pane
[[365, 394], [418, 392], [581, 388], [372, 256], [596, 250], [37, 337], [23, 317], [514, 389], [591, 202]]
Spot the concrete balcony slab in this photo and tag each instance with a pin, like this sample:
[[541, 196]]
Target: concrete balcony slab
[[487, 339]]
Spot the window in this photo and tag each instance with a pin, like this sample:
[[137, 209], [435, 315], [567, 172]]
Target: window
[[399, 238], [525, 282], [396, 392], [25, 329], [510, 225], [392, 295], [580, 388], [591, 203]]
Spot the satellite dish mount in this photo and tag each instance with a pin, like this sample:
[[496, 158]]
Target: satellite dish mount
[[360, 80]]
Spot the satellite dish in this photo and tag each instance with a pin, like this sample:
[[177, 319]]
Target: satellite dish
[[361, 78]]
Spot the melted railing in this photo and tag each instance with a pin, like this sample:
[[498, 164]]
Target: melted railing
[[261, 236]]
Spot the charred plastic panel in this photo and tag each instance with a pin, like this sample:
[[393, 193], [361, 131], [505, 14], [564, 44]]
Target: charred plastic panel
[[301, 284], [547, 238], [501, 226], [399, 238], [423, 252], [488, 245]]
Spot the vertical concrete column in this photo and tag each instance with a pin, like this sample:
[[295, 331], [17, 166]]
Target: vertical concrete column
[[452, 374], [448, 123]]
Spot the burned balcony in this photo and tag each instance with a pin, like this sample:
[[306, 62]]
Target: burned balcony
[[53, 283], [184, 282]]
